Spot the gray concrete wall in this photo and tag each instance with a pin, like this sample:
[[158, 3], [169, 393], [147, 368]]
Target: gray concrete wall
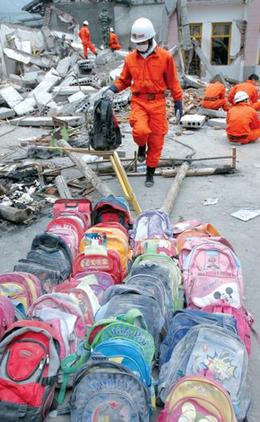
[[83, 11], [125, 16]]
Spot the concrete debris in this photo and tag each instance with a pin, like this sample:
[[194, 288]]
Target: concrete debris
[[212, 113], [26, 58], [116, 72], [217, 122], [192, 121], [245, 214], [69, 90], [193, 81], [6, 113], [86, 65], [210, 201], [78, 96], [24, 107], [11, 96], [47, 121]]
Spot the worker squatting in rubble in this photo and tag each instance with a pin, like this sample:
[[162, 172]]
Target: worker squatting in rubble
[[148, 70], [243, 125], [85, 37]]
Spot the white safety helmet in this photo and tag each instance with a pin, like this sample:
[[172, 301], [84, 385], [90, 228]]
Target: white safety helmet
[[142, 30], [85, 23], [240, 96], [111, 29]]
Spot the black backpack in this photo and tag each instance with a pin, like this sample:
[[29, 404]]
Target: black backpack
[[105, 134]]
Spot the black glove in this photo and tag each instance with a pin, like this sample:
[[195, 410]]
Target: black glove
[[178, 107]]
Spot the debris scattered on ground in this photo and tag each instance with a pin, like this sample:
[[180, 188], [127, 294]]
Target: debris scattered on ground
[[246, 214], [210, 201]]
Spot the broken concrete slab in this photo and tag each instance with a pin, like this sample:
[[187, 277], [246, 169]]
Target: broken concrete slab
[[46, 121], [26, 106], [63, 66], [221, 123], [50, 79], [22, 57], [11, 96], [193, 81], [69, 90], [212, 113], [78, 96], [6, 113], [42, 98]]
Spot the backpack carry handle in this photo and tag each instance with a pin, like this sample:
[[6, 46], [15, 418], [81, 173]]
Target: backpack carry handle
[[134, 317]]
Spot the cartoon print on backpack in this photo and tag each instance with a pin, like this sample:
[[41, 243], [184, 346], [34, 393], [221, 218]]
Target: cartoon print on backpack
[[189, 414], [218, 365], [228, 292]]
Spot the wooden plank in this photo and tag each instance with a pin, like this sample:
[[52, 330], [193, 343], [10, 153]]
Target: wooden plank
[[62, 187], [89, 174], [171, 196]]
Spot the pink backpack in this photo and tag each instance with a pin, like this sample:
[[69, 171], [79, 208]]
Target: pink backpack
[[7, 314], [64, 315], [212, 272], [192, 242], [243, 318]]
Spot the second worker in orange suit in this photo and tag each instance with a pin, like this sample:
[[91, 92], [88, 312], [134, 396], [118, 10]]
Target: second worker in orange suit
[[215, 95], [113, 40], [243, 125], [250, 87], [84, 35], [149, 71]]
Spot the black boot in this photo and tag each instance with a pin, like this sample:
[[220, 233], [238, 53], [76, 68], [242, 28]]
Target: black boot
[[141, 154], [149, 182]]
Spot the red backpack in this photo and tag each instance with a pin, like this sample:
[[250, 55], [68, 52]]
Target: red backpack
[[28, 371]]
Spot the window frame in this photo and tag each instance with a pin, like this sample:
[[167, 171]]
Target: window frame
[[229, 36]]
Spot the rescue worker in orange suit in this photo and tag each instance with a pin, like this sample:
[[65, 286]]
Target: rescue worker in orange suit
[[113, 41], [148, 70], [243, 125], [84, 35], [215, 95], [250, 87]]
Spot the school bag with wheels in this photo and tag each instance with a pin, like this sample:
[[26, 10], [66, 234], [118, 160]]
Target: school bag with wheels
[[197, 398], [105, 134], [215, 353], [106, 390], [28, 371]]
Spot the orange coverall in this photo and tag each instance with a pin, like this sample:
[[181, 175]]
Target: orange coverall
[[243, 125], [114, 42], [247, 86], [214, 96], [84, 35], [149, 78]]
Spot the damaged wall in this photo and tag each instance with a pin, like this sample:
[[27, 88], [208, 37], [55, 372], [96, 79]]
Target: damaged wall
[[82, 11], [125, 17], [252, 49], [213, 13]]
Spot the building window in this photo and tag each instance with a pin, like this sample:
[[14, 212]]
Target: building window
[[196, 32], [220, 43], [192, 60]]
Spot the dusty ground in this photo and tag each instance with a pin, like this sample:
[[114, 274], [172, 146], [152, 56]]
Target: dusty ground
[[233, 192]]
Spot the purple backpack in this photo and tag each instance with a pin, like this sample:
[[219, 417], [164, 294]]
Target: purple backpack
[[153, 224], [7, 314]]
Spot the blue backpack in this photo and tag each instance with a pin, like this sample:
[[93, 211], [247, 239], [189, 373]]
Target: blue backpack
[[216, 353], [107, 390], [185, 319]]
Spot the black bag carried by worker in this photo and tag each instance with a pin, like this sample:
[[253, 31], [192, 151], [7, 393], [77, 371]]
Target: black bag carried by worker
[[105, 134]]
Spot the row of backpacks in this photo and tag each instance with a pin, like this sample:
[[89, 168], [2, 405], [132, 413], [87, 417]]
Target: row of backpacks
[[50, 299], [134, 300]]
